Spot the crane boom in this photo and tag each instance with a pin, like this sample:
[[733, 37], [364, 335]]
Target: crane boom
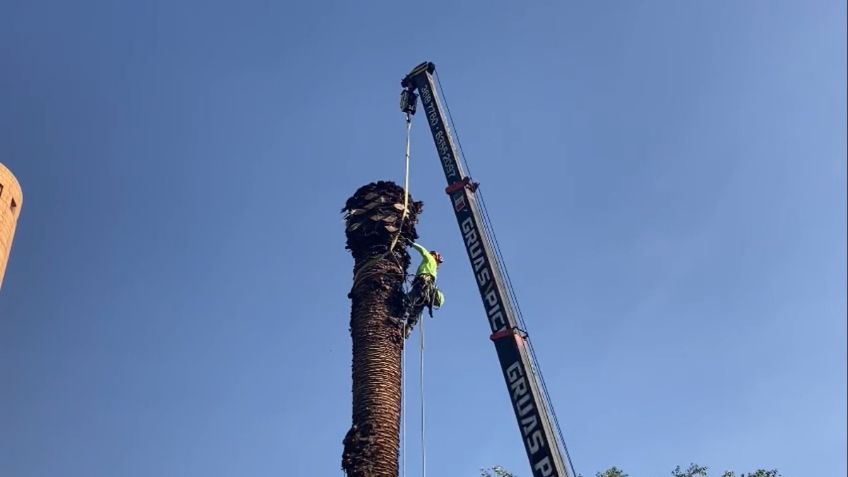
[[546, 457]]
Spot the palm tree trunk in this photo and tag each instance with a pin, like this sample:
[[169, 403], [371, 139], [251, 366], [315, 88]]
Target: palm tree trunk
[[374, 221]]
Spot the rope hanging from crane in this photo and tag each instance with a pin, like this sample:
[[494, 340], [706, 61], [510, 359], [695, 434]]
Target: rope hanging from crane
[[421, 398], [403, 351], [360, 273], [421, 395]]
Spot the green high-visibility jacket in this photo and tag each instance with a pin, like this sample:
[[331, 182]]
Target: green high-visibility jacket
[[428, 263], [429, 266]]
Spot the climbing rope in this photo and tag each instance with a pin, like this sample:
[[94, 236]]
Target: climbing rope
[[405, 181], [362, 273], [421, 391], [371, 262], [512, 295], [403, 410], [421, 397], [403, 351]]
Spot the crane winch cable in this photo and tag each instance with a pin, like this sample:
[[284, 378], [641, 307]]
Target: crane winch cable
[[360, 274], [487, 224]]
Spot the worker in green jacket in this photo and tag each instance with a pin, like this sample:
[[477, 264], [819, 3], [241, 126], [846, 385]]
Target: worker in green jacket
[[424, 292]]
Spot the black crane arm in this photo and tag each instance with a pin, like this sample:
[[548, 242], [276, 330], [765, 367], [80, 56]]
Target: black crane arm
[[546, 457]]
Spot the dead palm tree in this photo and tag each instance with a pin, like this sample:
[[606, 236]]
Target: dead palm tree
[[377, 229]]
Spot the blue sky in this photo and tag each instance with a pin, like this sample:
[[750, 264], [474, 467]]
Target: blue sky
[[667, 180]]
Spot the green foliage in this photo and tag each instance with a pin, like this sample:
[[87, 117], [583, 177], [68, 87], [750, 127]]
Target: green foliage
[[611, 472], [496, 471], [693, 470], [757, 473]]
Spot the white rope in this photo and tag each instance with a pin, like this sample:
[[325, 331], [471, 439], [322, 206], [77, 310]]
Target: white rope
[[406, 175], [421, 379], [405, 182], [358, 274], [403, 351], [403, 409]]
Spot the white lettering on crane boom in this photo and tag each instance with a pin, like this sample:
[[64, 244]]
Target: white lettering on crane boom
[[528, 417], [483, 274], [440, 133]]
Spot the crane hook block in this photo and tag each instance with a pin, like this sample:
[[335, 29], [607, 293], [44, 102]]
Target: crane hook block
[[408, 99]]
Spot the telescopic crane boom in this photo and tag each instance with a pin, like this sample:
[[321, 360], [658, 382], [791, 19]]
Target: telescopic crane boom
[[548, 457]]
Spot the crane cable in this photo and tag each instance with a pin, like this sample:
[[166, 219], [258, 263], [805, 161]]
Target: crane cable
[[359, 274], [421, 339], [403, 351], [405, 181], [512, 295]]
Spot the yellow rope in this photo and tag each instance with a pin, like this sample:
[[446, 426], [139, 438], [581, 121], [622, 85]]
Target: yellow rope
[[405, 182], [358, 275]]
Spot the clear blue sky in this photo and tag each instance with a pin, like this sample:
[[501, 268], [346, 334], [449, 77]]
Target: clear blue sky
[[668, 182]]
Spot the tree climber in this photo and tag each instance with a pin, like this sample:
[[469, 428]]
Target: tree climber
[[424, 292]]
